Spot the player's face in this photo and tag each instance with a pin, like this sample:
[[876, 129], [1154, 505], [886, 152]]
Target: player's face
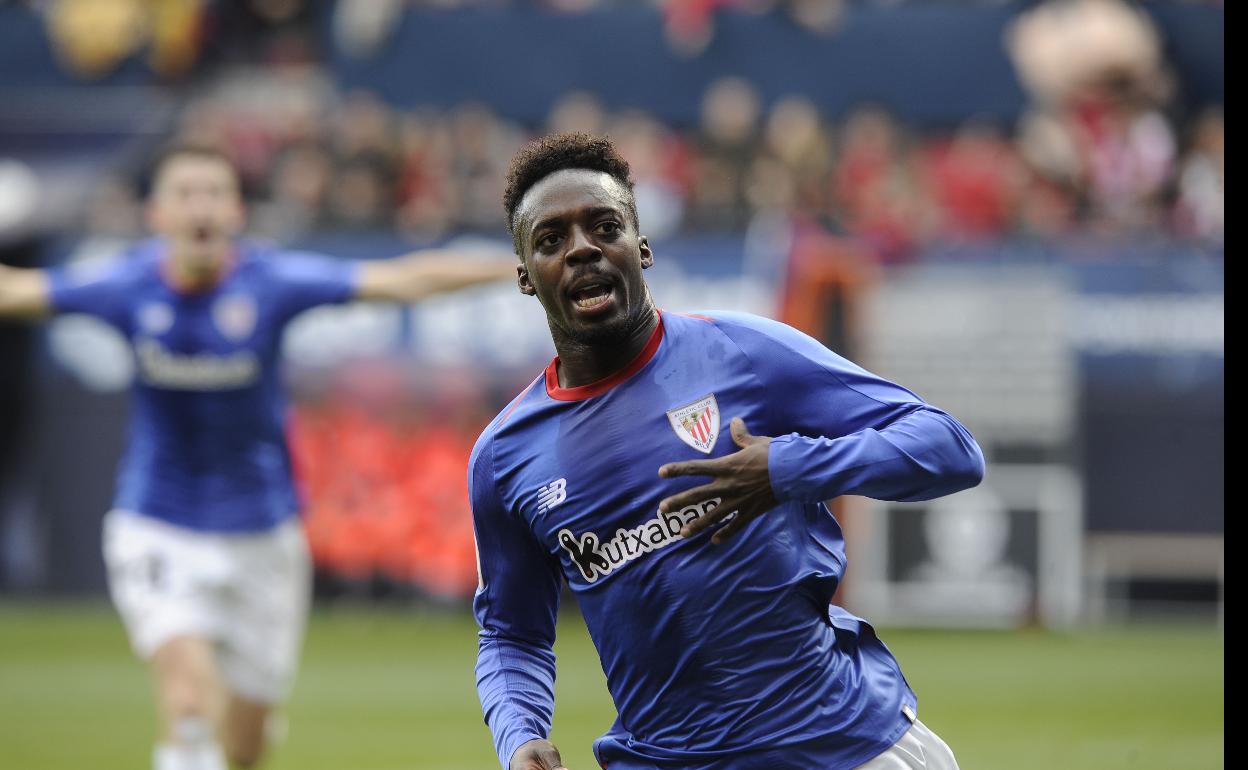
[[582, 256], [197, 208]]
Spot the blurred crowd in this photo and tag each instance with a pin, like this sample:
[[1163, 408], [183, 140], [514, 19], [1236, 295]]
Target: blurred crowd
[[1104, 147], [1108, 163]]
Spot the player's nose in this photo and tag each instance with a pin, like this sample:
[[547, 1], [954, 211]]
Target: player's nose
[[581, 248]]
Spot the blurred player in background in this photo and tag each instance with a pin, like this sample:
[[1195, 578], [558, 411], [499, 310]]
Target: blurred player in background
[[207, 561], [722, 651]]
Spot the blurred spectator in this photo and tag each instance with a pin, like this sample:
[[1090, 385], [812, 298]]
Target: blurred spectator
[[689, 25], [727, 143], [875, 187], [114, 210], [361, 27], [298, 192], [481, 149], [577, 111], [1201, 209], [93, 37], [1099, 86], [1129, 154], [430, 199], [974, 179], [364, 126], [822, 17], [660, 165], [796, 137], [270, 32], [360, 196]]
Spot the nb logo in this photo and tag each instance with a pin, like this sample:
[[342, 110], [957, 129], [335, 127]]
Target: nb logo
[[551, 495]]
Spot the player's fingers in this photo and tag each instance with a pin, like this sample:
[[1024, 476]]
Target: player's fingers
[[691, 468], [708, 519], [689, 497], [740, 436], [734, 526]]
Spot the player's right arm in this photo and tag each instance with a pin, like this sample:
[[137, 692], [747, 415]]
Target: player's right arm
[[516, 605], [103, 289], [24, 293]]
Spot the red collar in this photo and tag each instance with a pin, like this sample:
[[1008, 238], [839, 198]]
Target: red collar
[[607, 383]]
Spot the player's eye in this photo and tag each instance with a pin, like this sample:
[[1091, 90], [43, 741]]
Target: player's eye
[[548, 241], [609, 227]]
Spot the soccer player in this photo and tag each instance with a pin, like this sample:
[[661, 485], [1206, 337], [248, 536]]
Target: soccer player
[[207, 561], [708, 601]]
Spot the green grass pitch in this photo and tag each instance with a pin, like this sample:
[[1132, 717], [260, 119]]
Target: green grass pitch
[[393, 690]]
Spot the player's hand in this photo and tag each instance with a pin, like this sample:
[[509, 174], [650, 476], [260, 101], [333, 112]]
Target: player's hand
[[537, 755], [741, 481]]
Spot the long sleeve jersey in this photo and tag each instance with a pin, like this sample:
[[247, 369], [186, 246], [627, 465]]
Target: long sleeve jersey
[[727, 656]]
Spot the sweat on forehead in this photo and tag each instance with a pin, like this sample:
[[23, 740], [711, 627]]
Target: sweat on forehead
[[566, 184]]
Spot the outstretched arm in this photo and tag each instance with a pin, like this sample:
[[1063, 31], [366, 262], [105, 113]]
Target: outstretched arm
[[24, 293], [421, 274]]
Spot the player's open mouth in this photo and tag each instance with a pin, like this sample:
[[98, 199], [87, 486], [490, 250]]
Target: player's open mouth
[[202, 233], [591, 297]]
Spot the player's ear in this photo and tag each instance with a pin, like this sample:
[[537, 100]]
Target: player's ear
[[238, 217], [523, 281], [153, 216], [647, 256]]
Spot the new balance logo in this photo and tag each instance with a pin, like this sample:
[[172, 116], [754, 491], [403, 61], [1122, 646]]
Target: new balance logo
[[551, 495]]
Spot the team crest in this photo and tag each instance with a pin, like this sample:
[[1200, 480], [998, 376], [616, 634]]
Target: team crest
[[235, 316], [697, 424], [155, 317]]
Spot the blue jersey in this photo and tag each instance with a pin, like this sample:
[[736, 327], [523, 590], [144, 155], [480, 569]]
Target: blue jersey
[[717, 657], [206, 446]]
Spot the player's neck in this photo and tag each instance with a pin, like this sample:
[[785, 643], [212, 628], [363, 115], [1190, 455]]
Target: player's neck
[[584, 363], [190, 276]]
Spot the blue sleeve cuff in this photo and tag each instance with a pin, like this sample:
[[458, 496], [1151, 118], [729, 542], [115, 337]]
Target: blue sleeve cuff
[[787, 461]]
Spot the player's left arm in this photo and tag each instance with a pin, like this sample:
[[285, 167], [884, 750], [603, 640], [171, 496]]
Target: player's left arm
[[421, 274], [852, 432]]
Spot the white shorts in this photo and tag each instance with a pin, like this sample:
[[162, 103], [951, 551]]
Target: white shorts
[[249, 593], [918, 749]]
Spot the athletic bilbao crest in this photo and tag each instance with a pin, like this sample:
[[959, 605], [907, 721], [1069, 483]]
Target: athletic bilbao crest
[[697, 424], [235, 316]]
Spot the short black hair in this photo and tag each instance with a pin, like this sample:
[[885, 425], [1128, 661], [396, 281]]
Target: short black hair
[[172, 152], [557, 152]]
